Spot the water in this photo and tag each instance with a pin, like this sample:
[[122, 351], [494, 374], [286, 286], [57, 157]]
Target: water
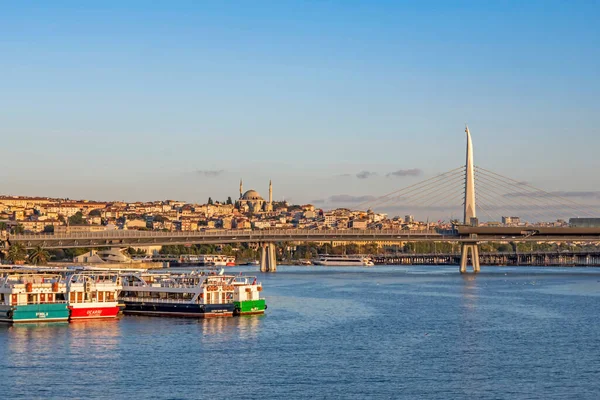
[[331, 333]]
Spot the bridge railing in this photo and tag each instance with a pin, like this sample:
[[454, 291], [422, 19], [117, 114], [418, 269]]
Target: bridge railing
[[233, 234]]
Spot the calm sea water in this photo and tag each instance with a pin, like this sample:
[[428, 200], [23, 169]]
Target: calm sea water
[[330, 333]]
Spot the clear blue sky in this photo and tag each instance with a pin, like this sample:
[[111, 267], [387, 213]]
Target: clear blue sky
[[152, 100]]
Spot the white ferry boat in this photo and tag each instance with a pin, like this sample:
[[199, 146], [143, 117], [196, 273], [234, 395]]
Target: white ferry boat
[[195, 295], [344, 261], [93, 294], [33, 297], [218, 260]]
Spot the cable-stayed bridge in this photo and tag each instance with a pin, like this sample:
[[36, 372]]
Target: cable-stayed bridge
[[467, 188]]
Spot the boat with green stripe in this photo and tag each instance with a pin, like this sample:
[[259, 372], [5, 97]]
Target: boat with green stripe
[[246, 296], [33, 297]]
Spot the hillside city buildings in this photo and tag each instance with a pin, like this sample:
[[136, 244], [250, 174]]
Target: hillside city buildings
[[249, 211]]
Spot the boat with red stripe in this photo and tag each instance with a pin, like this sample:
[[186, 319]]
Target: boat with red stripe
[[93, 294]]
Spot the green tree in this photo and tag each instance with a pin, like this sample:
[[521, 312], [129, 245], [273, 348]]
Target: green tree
[[229, 201], [210, 201], [370, 248], [504, 248], [38, 256], [159, 218], [18, 230], [16, 253], [3, 226], [49, 229], [95, 213], [77, 219]]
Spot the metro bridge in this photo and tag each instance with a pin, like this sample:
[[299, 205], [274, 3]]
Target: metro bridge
[[495, 193]]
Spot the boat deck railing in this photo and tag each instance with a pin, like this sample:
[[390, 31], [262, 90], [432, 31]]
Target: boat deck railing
[[29, 303], [169, 301]]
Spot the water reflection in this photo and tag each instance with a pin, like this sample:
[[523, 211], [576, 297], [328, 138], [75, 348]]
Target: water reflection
[[469, 291], [244, 327]]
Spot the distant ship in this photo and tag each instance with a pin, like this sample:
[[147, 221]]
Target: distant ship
[[204, 260], [343, 261]]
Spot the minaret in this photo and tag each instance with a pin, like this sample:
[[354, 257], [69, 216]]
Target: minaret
[[269, 205], [241, 189]]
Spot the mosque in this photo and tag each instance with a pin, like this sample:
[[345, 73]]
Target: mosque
[[252, 202]]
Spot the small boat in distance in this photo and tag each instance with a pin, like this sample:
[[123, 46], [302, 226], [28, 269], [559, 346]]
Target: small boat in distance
[[344, 261]]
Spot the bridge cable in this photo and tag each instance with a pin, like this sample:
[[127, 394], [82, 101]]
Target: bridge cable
[[495, 189], [535, 190], [449, 184], [533, 198], [415, 187], [441, 182]]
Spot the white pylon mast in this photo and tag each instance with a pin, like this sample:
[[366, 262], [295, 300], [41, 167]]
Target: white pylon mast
[[469, 182]]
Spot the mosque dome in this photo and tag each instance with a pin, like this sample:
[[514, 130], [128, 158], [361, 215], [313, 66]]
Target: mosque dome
[[251, 195]]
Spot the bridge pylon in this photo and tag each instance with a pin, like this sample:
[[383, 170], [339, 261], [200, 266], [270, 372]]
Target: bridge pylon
[[470, 216], [268, 259]]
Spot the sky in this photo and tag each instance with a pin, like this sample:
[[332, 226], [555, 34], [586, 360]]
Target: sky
[[335, 101]]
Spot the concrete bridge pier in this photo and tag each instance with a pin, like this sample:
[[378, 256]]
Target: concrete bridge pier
[[268, 259], [464, 257]]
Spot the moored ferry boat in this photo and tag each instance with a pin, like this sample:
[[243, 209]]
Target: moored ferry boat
[[191, 295], [218, 260], [246, 296], [93, 294], [182, 295], [26, 298], [344, 261]]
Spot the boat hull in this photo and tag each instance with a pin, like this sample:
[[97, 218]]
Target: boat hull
[[78, 313], [179, 309], [34, 313], [250, 307]]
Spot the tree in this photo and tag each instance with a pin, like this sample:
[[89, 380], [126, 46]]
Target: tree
[[159, 218], [229, 201], [3, 226], [38, 256], [16, 253], [370, 248], [18, 230], [505, 248], [95, 213], [77, 219], [49, 229], [210, 201]]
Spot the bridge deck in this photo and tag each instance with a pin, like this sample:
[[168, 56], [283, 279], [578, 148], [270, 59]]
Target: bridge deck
[[148, 238]]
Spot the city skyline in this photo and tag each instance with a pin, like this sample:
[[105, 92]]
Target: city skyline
[[334, 103]]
